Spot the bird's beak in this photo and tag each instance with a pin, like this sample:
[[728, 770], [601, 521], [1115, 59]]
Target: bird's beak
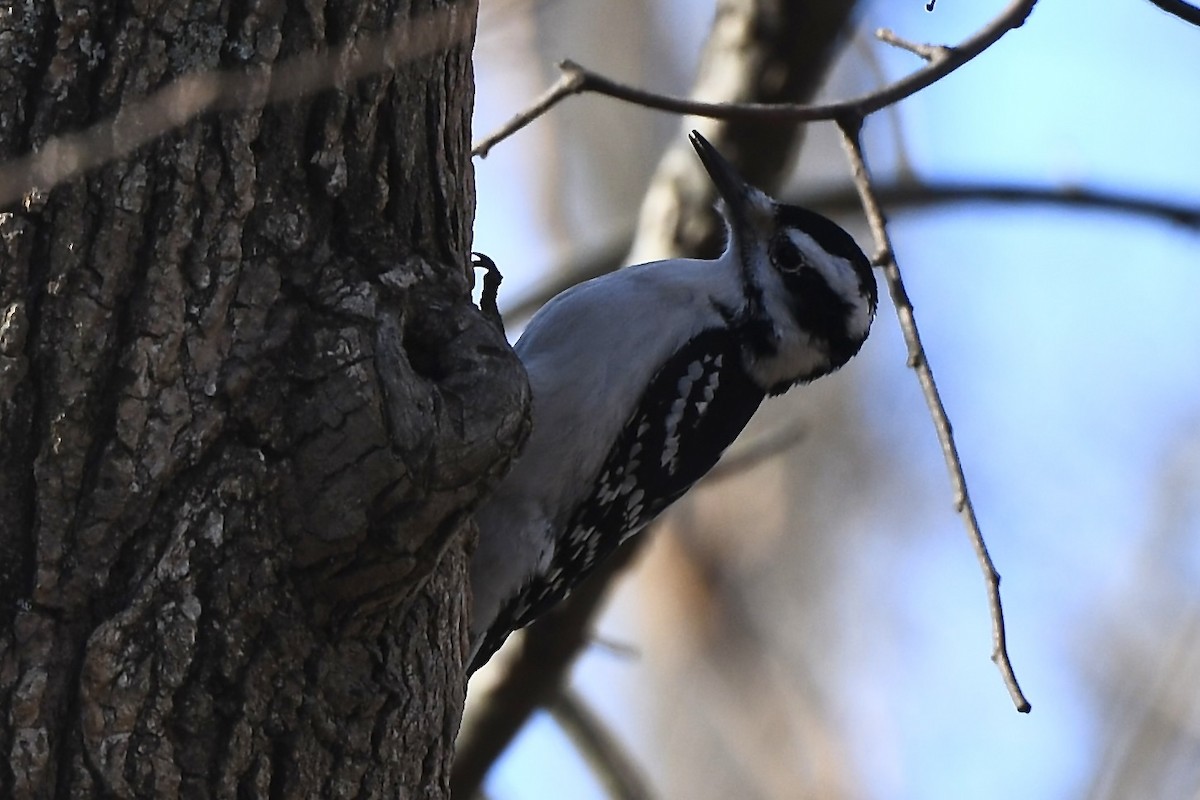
[[749, 209]]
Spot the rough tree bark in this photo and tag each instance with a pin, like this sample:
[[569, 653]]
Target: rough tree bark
[[246, 408]]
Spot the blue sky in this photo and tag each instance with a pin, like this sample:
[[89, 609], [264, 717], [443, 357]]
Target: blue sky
[[1067, 348]]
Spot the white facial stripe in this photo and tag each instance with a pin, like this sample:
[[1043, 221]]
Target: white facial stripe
[[841, 277], [803, 356]]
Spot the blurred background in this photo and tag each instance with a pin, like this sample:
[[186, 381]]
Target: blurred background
[[815, 624]]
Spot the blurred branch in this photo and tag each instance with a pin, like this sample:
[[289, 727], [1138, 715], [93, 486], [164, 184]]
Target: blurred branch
[[531, 679], [912, 194], [1144, 675], [604, 754], [942, 61], [61, 158], [756, 452], [765, 711], [851, 128], [907, 195], [1185, 11], [1152, 705]]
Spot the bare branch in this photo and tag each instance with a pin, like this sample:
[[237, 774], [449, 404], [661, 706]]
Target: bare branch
[[916, 195], [603, 753], [568, 83], [900, 196], [929, 52], [751, 455], [532, 679], [886, 259], [1185, 11], [63, 157], [906, 196], [944, 60], [547, 650]]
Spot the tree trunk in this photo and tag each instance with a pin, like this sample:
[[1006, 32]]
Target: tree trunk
[[246, 405]]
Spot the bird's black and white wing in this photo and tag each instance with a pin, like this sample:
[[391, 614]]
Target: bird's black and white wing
[[693, 408]]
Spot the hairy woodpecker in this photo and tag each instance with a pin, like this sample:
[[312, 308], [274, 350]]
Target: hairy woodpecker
[[641, 379]]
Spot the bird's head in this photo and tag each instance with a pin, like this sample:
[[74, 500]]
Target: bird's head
[[810, 294]]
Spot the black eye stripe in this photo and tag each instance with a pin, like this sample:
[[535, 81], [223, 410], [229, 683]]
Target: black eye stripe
[[785, 255], [828, 235]]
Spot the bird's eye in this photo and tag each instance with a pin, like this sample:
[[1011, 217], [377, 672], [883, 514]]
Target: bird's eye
[[785, 255]]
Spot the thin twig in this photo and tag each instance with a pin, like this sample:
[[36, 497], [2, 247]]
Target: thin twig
[[603, 753], [1185, 11], [577, 80], [569, 83], [915, 195], [929, 52], [872, 59], [850, 128]]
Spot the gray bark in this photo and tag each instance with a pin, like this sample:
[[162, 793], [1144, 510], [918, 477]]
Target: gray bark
[[246, 408]]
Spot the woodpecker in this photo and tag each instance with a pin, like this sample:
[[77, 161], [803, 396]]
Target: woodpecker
[[640, 380]]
